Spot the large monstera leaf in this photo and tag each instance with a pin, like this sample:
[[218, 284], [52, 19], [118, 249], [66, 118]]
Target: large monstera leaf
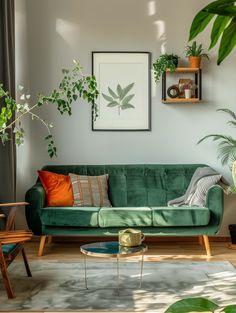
[[224, 27]]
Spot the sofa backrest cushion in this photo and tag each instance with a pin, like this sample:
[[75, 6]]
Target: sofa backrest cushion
[[137, 185]]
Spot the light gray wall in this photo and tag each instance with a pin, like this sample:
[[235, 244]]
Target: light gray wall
[[62, 30]]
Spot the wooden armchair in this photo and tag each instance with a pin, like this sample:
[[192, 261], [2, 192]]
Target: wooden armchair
[[11, 243]]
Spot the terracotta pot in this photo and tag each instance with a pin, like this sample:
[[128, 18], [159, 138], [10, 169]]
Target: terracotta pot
[[194, 62]]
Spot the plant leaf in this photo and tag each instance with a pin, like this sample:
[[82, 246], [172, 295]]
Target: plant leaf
[[112, 93], [229, 309], [119, 91], [228, 41], [127, 99], [200, 22], [127, 89], [112, 104], [127, 106], [192, 305], [218, 28], [110, 99], [223, 11], [228, 111]]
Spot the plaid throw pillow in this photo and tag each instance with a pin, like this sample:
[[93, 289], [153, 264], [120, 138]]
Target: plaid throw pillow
[[90, 190]]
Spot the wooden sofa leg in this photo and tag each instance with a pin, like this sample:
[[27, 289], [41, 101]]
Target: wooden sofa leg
[[207, 245], [200, 240], [49, 239], [41, 245]]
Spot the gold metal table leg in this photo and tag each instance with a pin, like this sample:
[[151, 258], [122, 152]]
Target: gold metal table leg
[[85, 272]]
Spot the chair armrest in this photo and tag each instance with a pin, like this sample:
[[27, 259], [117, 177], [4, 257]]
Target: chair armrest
[[36, 197], [7, 237], [13, 207], [215, 202]]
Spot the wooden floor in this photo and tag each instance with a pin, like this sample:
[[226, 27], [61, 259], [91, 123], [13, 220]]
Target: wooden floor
[[161, 251]]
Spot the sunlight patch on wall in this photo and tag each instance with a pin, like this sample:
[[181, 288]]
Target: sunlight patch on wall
[[66, 30], [161, 34], [151, 8]]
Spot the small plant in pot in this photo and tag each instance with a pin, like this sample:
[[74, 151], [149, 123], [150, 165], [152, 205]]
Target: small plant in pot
[[195, 53], [164, 62]]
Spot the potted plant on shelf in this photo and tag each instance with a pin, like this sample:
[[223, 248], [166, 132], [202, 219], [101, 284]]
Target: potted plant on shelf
[[187, 89], [73, 85], [164, 62], [195, 54]]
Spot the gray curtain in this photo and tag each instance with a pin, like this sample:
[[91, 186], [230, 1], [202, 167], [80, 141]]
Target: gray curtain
[[7, 78]]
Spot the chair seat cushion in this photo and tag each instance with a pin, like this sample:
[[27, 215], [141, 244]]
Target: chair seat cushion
[[70, 216], [125, 217], [180, 216], [8, 248]]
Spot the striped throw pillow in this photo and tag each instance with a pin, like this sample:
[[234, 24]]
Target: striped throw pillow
[[203, 185], [90, 190]]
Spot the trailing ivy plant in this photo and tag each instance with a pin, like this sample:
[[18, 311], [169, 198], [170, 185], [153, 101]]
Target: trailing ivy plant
[[224, 14], [73, 85], [164, 62], [198, 305]]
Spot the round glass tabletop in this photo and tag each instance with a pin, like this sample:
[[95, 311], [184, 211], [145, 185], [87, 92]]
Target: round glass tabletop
[[111, 249]]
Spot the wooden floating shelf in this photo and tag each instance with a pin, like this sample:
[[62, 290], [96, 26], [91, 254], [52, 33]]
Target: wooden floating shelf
[[181, 100], [184, 70]]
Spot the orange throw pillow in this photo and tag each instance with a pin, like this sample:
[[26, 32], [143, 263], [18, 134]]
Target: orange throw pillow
[[58, 189]]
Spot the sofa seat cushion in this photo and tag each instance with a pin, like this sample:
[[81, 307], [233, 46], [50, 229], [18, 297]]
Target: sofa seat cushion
[[180, 216], [70, 216], [8, 248], [125, 217]]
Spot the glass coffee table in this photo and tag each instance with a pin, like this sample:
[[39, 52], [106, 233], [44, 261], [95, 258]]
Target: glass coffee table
[[112, 249]]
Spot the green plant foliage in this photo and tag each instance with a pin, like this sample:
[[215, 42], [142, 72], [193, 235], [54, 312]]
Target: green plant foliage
[[195, 51], [224, 27], [229, 309], [164, 62], [120, 98], [227, 145], [192, 305], [74, 85]]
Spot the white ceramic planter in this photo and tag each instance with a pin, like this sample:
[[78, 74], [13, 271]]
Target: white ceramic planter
[[188, 93]]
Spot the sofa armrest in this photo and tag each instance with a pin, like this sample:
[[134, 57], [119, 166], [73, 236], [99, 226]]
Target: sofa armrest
[[36, 197], [215, 202]]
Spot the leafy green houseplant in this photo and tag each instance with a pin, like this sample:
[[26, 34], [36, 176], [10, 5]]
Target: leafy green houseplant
[[224, 14], [227, 144], [198, 305], [164, 62], [74, 85], [195, 53]]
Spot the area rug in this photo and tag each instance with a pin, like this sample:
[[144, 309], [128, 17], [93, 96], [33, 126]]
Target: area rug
[[57, 286]]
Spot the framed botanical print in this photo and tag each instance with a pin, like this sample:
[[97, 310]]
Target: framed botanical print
[[124, 101]]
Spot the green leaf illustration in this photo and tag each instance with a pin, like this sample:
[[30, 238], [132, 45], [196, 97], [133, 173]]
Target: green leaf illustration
[[127, 106], [127, 99], [112, 104], [110, 99], [121, 100], [127, 89], [112, 93], [119, 91]]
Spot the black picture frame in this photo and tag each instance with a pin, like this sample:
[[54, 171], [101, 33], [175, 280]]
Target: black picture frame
[[98, 63]]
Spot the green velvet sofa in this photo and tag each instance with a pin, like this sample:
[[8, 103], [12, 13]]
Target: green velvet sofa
[[139, 196]]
